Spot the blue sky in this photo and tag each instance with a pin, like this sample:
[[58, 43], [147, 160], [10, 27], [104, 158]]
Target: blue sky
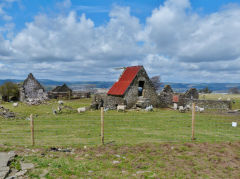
[[24, 10], [180, 40]]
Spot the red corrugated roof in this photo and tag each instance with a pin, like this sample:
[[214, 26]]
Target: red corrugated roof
[[125, 80]]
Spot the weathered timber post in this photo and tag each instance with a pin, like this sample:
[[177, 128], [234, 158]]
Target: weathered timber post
[[32, 129], [193, 120], [102, 125], [69, 95]]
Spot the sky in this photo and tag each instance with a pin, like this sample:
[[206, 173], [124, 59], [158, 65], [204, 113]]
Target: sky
[[86, 40]]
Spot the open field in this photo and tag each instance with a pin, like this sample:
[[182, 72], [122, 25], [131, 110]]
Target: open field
[[138, 144], [132, 127]]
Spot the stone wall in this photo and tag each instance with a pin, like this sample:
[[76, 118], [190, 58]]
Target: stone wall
[[112, 102], [32, 89], [166, 97], [210, 104], [149, 92]]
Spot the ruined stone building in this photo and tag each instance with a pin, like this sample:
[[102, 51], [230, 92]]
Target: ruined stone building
[[166, 96], [60, 92], [134, 88], [32, 89]]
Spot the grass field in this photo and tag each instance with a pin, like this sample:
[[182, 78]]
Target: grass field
[[138, 144], [71, 128]]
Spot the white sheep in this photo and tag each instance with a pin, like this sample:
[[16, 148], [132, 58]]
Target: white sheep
[[188, 107], [149, 108], [60, 102], [83, 109], [199, 109], [219, 98], [15, 104], [182, 109], [121, 107]]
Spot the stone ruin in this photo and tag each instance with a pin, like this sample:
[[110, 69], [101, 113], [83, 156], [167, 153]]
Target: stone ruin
[[60, 92], [32, 92], [6, 113], [166, 96], [133, 89], [98, 101]]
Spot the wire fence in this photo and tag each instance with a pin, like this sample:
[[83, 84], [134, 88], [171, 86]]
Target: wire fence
[[119, 128]]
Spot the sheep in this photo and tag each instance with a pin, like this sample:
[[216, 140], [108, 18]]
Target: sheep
[[201, 109], [15, 104], [59, 109], [219, 99], [121, 107], [60, 102], [187, 107], [54, 111], [83, 109], [149, 108], [228, 99], [182, 109]]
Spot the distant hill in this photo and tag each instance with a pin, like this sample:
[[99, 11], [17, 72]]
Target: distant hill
[[215, 87], [177, 87]]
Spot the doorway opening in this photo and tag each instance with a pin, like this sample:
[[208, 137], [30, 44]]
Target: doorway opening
[[140, 88]]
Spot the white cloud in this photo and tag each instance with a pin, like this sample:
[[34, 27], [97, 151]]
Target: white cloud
[[175, 42], [65, 4]]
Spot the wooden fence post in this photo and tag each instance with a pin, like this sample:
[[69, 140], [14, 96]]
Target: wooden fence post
[[193, 120], [102, 125], [32, 129]]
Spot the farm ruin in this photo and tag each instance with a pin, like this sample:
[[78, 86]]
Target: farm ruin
[[31, 90], [133, 89]]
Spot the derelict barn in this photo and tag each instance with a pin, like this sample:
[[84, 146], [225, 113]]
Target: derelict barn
[[133, 89], [60, 92], [31, 89]]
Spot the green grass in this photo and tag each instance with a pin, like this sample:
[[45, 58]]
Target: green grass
[[145, 144], [147, 160], [72, 129]]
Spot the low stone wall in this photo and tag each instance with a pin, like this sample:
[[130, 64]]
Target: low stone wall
[[80, 94], [210, 104], [59, 95], [112, 102]]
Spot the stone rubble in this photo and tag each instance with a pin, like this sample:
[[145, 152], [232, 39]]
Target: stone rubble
[[6, 113], [5, 159], [6, 172]]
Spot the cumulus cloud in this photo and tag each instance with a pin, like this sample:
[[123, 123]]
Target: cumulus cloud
[[174, 42]]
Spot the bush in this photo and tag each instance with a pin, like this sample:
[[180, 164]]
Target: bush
[[205, 90], [9, 90]]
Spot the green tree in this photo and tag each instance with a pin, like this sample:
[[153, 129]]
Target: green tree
[[205, 90], [9, 89]]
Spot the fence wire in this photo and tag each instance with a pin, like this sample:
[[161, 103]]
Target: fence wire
[[120, 128]]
